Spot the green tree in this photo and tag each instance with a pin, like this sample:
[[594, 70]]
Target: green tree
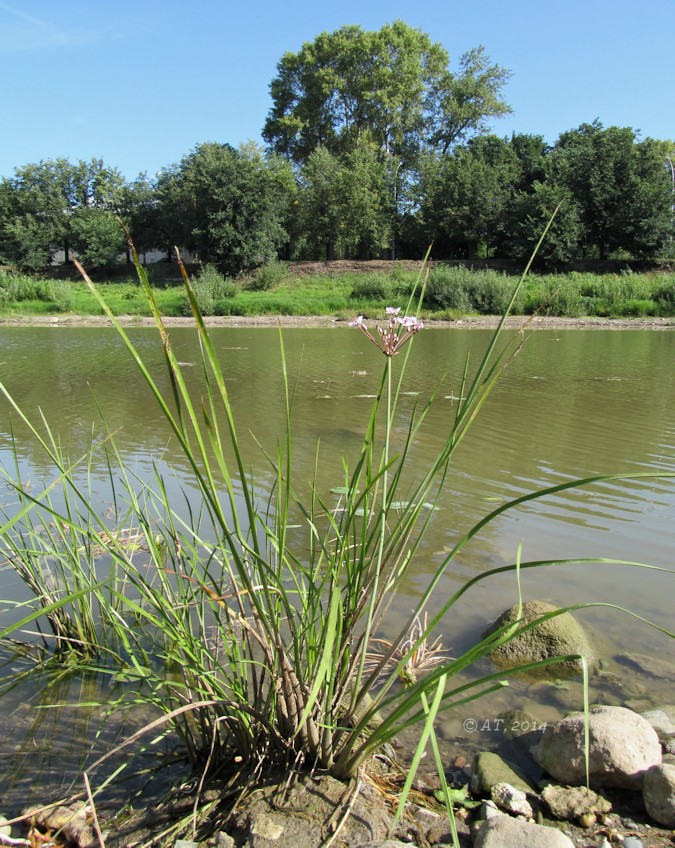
[[97, 237], [463, 196], [367, 204], [346, 204], [319, 204], [227, 206], [391, 87], [39, 204], [137, 206], [621, 187], [530, 212], [463, 104]]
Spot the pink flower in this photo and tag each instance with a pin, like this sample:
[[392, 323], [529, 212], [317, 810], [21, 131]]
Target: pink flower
[[394, 334]]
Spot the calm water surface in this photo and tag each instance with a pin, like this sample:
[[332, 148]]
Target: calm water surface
[[572, 404]]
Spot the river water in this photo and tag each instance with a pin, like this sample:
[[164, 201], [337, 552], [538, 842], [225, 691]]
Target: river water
[[573, 403]]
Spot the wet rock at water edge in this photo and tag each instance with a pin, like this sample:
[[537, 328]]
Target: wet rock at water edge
[[489, 769], [506, 832], [658, 793], [622, 746], [561, 635]]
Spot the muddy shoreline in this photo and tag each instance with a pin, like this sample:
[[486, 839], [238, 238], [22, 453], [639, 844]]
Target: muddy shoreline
[[292, 321]]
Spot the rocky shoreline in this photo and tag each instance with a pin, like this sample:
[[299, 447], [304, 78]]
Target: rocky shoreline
[[532, 794]]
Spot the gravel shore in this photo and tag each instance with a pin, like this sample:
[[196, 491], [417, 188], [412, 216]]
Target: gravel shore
[[478, 322]]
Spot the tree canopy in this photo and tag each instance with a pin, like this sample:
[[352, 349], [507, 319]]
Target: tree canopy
[[55, 205], [392, 87]]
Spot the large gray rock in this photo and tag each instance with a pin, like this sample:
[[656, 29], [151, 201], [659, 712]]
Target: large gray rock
[[559, 636], [658, 793], [505, 832], [622, 746]]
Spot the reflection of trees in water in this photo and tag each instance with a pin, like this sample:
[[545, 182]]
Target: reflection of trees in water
[[572, 403], [47, 741]]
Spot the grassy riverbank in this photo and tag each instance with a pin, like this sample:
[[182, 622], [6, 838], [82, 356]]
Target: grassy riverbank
[[340, 290]]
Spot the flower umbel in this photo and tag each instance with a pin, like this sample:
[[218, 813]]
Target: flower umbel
[[392, 336]]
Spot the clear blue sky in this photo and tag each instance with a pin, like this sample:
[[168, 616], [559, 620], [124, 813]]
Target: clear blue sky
[[139, 83]]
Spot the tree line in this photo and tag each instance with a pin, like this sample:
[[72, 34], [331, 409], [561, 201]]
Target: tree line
[[374, 148]]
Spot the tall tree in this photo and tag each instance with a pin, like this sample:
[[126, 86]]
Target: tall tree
[[392, 87]]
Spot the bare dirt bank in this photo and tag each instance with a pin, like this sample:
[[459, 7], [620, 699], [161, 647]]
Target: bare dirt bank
[[478, 322]]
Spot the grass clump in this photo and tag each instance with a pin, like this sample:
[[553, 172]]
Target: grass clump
[[373, 287], [53, 295], [462, 290], [210, 288], [269, 276]]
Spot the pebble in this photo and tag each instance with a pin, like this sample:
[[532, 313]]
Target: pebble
[[632, 842]]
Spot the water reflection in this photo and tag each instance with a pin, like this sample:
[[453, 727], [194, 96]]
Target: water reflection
[[572, 404]]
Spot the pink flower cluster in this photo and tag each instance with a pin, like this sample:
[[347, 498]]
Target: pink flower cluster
[[394, 334]]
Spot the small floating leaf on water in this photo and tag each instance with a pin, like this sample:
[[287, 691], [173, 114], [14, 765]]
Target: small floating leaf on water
[[364, 396], [496, 499], [406, 504], [131, 675], [343, 490]]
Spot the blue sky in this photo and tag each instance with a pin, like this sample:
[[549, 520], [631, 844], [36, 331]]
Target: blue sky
[[139, 83]]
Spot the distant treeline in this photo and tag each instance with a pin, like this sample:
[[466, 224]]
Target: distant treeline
[[374, 149]]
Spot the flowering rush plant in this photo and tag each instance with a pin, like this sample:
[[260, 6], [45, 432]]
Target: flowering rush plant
[[393, 335]]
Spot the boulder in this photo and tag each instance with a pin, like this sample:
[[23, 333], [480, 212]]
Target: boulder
[[622, 746], [658, 793], [559, 636], [505, 832]]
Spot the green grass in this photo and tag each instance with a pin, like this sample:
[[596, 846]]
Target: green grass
[[451, 292]]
